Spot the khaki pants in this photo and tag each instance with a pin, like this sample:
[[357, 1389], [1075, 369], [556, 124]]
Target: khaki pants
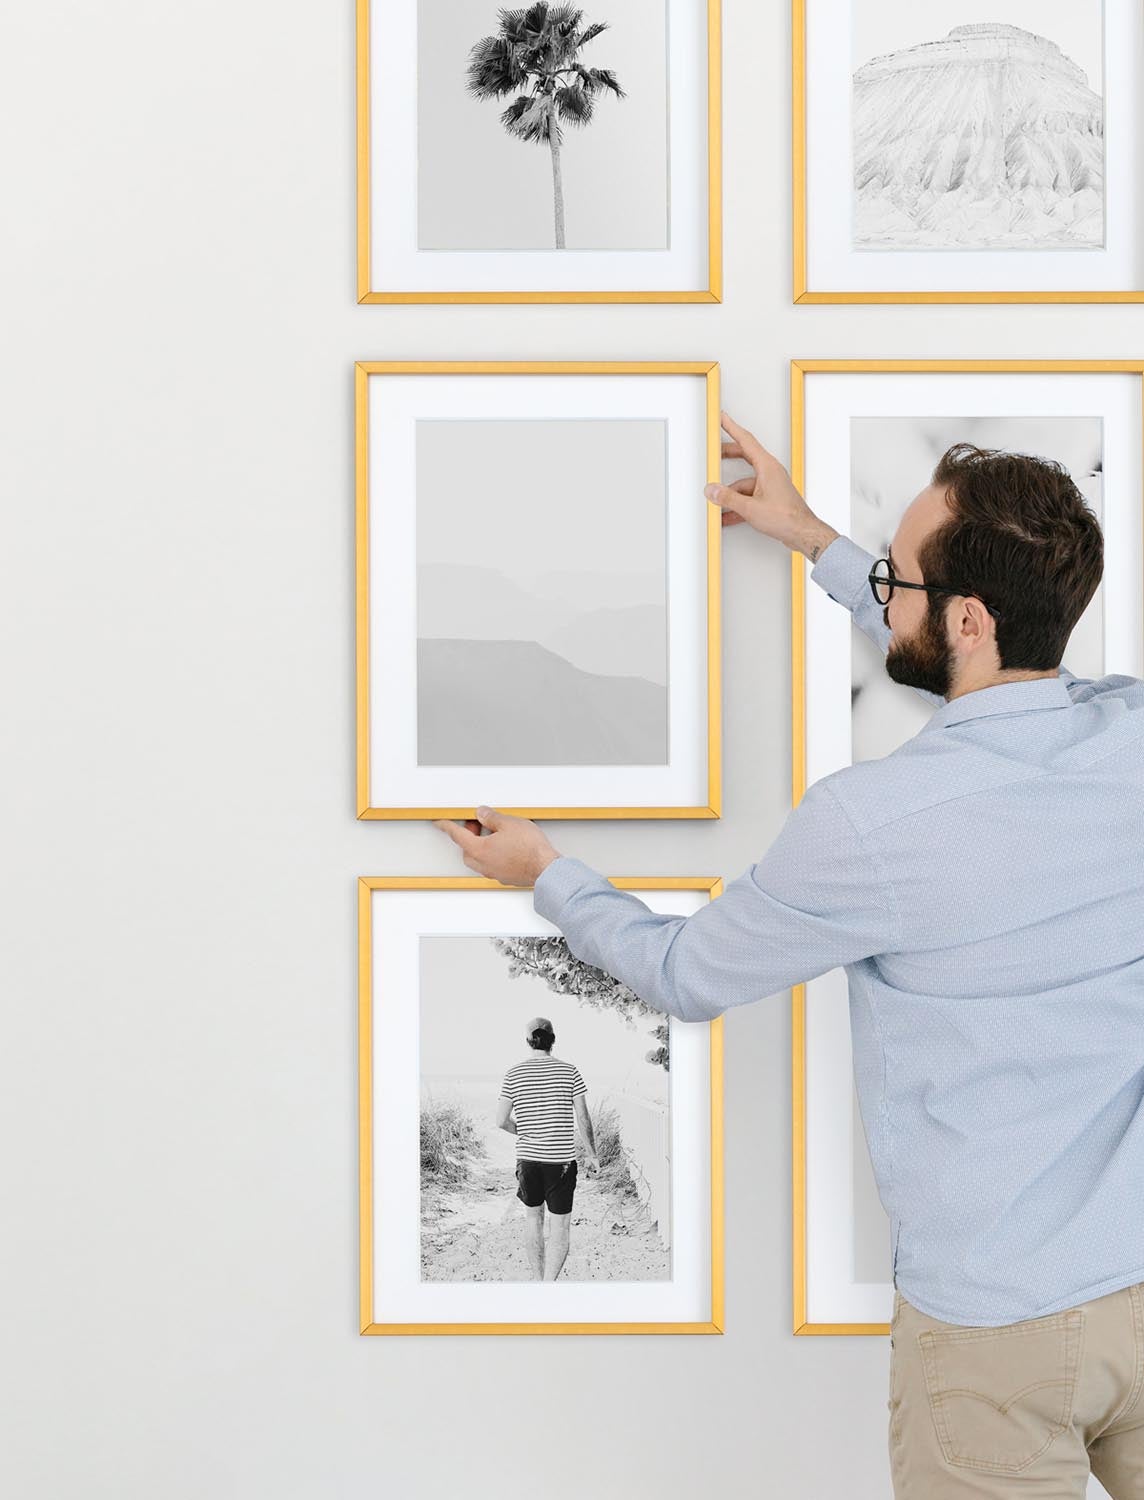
[[1023, 1409]]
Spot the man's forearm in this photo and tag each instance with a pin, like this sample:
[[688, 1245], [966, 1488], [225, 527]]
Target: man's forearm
[[814, 540], [614, 930], [813, 902]]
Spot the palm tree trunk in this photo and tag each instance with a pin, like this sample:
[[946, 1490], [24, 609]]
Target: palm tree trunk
[[557, 180]]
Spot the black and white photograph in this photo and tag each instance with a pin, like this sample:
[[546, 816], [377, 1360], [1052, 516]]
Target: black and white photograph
[[535, 645], [890, 459], [547, 152], [540, 1151], [978, 130], [968, 151], [557, 657], [543, 127], [545, 1131]]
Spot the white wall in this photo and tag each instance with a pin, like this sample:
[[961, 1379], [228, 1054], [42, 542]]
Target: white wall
[[178, 1254]]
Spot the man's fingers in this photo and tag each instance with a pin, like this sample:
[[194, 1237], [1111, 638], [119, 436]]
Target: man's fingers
[[753, 450], [724, 495], [733, 450], [460, 835]]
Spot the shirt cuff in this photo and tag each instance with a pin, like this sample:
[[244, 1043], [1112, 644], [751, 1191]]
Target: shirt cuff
[[560, 879], [842, 570]]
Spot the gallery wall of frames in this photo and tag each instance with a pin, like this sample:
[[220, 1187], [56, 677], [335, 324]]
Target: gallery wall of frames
[[563, 660]]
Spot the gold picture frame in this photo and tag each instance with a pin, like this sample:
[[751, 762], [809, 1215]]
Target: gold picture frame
[[804, 294], [713, 292], [367, 885], [364, 371], [799, 369]]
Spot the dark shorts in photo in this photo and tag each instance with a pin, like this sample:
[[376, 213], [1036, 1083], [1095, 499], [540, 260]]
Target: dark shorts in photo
[[551, 1182]]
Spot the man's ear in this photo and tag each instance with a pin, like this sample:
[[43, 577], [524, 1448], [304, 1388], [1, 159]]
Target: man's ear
[[978, 616]]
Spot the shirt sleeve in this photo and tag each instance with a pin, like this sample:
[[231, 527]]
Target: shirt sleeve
[[817, 899], [506, 1089], [578, 1084], [843, 570]]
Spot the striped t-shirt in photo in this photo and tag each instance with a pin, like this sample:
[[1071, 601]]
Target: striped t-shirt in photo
[[542, 1089]]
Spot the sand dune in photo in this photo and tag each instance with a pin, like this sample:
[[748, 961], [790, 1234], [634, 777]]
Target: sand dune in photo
[[514, 702], [461, 602], [626, 641]]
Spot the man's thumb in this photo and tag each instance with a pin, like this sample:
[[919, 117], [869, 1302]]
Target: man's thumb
[[722, 495], [489, 816]]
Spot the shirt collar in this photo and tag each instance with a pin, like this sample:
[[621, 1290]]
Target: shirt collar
[[1002, 698]]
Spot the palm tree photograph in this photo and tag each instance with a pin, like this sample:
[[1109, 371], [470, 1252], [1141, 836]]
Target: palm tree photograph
[[543, 127], [535, 54]]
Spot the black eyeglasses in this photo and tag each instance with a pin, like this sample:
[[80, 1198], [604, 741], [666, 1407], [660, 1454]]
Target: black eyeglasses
[[883, 583]]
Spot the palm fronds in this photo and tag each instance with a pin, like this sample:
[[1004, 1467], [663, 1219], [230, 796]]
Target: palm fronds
[[539, 43], [575, 102], [596, 79], [529, 118], [494, 68], [590, 32]]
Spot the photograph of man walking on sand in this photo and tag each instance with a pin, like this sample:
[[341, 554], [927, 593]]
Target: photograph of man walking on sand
[[542, 1101], [540, 1159]]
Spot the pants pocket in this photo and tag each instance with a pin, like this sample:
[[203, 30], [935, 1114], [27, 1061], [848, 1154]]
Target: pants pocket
[[999, 1396]]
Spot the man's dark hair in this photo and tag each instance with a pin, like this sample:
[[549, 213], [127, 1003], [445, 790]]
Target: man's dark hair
[[542, 1039], [1022, 538]]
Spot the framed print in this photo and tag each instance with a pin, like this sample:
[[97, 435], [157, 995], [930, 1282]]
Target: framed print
[[490, 1202], [547, 153], [964, 151], [866, 435], [538, 589]]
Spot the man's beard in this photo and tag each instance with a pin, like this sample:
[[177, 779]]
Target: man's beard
[[925, 662]]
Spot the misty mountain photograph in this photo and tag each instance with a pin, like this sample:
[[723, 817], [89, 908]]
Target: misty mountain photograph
[[542, 592]]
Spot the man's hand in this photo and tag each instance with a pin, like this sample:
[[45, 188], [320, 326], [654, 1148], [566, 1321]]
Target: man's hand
[[514, 852], [768, 500]]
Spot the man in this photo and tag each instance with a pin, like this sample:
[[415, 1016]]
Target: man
[[541, 1092], [983, 886]]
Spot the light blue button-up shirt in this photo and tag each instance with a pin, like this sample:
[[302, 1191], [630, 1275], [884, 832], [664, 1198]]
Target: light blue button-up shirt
[[983, 887]]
